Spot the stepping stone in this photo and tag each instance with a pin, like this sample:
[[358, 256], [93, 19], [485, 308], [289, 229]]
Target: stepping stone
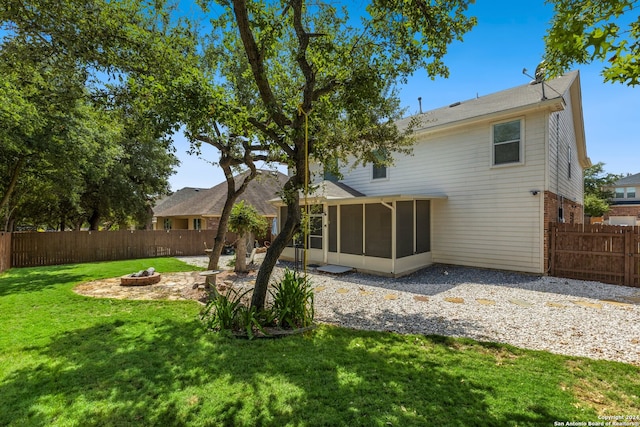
[[342, 291], [319, 288], [635, 300], [455, 300], [421, 298], [390, 297], [521, 302], [365, 293], [485, 301], [555, 305], [616, 303], [588, 304]]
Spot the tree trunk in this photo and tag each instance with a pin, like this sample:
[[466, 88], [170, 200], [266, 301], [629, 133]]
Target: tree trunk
[[94, 220], [290, 228], [15, 173], [223, 224], [241, 254], [221, 233]]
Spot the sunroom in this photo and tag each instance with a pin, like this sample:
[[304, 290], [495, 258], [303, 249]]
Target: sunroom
[[387, 235]]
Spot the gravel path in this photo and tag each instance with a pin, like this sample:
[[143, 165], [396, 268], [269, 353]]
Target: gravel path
[[563, 316]]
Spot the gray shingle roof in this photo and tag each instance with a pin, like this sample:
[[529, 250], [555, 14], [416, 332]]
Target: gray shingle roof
[[334, 190], [629, 180], [509, 99], [209, 202]]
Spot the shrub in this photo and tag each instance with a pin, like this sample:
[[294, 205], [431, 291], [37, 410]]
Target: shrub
[[292, 308], [223, 313], [293, 301], [229, 315]]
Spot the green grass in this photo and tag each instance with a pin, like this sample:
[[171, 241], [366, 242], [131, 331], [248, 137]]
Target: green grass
[[69, 360]]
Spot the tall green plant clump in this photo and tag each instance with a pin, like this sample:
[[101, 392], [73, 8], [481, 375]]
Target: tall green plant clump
[[292, 308], [293, 301]]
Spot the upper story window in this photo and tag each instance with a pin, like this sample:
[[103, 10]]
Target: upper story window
[[631, 192], [380, 171], [569, 162], [507, 142], [625, 192]]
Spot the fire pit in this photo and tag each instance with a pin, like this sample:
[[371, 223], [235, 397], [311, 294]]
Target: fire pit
[[141, 278]]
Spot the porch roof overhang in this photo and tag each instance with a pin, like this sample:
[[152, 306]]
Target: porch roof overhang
[[313, 200]]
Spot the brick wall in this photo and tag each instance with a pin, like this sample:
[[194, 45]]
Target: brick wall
[[624, 210], [573, 211], [573, 214]]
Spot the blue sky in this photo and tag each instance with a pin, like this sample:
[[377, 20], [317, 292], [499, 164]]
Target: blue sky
[[507, 38]]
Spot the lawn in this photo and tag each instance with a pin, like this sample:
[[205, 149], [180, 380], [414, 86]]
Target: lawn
[[68, 360]]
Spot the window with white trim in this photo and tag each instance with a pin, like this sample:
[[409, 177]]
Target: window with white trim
[[197, 223], [379, 172], [507, 142], [631, 192]]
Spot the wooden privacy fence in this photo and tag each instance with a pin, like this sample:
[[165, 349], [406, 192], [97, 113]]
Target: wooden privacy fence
[[32, 249], [603, 253], [5, 251]]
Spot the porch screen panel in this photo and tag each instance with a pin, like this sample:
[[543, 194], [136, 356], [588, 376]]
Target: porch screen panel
[[333, 229], [378, 230], [351, 229], [423, 226], [404, 229]]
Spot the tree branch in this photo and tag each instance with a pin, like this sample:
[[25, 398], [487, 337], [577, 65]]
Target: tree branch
[[256, 61]]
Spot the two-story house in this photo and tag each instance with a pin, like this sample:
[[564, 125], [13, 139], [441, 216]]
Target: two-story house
[[625, 205], [485, 179]]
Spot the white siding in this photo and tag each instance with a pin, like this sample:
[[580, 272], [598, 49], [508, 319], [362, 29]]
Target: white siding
[[490, 218], [562, 141]]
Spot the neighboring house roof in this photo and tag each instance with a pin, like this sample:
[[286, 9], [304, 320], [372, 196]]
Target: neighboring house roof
[[210, 201], [510, 101], [187, 201], [628, 180]]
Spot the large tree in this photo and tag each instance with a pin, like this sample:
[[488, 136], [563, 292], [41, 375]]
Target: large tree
[[63, 61], [305, 81], [583, 31], [292, 81], [597, 189]]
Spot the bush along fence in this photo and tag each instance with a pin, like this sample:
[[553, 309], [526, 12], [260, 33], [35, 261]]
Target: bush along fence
[[603, 253], [30, 249]]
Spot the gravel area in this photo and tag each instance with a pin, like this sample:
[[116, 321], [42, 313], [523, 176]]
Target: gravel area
[[563, 316]]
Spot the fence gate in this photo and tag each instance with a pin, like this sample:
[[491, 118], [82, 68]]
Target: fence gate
[[603, 253]]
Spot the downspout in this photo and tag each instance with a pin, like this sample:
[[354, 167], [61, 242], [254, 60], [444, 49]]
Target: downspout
[[558, 197]]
